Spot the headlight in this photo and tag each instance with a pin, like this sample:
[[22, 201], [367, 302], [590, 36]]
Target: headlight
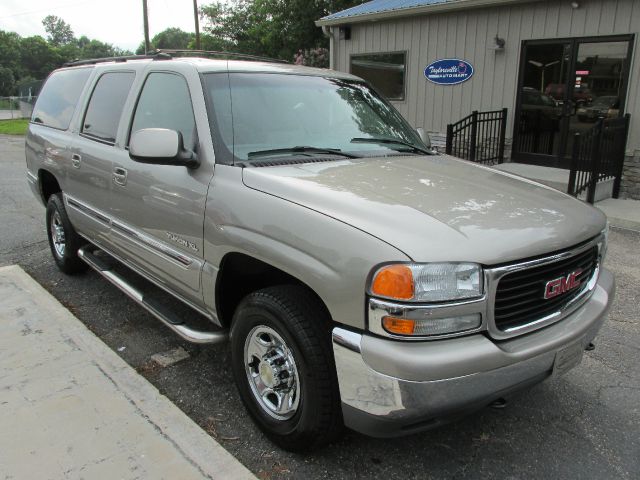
[[429, 282]]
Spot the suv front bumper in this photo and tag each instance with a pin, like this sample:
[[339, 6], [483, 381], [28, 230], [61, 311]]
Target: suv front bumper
[[391, 388]]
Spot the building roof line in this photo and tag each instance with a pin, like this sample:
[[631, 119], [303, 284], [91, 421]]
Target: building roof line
[[384, 10]]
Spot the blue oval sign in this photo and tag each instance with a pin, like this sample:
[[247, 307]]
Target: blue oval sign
[[449, 71]]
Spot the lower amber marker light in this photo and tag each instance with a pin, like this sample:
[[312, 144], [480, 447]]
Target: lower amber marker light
[[399, 326]]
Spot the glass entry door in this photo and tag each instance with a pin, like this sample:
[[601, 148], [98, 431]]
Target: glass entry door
[[564, 87]]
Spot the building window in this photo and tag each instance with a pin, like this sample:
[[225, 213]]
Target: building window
[[385, 71]]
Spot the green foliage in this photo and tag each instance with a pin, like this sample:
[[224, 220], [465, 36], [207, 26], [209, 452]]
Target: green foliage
[[59, 32], [26, 59], [170, 39], [7, 81], [14, 127], [173, 38], [38, 58], [274, 28]]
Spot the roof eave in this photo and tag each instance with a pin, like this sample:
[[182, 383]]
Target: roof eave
[[421, 10]]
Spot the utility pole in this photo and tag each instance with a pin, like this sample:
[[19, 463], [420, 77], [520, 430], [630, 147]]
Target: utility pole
[[145, 13], [197, 20]]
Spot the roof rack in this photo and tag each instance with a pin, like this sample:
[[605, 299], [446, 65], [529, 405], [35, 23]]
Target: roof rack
[[122, 58], [216, 53], [166, 54]]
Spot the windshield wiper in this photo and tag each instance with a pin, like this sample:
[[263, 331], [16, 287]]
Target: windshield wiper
[[395, 141], [294, 150]]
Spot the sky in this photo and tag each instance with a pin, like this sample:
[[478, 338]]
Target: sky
[[118, 22]]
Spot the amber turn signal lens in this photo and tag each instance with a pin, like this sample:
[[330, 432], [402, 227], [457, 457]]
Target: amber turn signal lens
[[394, 281], [399, 326]]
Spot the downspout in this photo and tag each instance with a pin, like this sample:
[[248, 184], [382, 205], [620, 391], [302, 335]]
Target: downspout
[[328, 32]]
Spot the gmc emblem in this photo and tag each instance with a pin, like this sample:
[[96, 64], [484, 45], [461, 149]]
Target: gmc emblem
[[562, 285]]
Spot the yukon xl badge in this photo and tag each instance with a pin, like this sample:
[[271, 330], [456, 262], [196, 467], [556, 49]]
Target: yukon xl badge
[[182, 242], [562, 285]]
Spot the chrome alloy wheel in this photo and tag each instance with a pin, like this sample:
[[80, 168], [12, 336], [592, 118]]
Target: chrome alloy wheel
[[57, 235], [272, 373]]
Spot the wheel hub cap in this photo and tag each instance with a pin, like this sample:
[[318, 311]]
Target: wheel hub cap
[[272, 373], [57, 235]]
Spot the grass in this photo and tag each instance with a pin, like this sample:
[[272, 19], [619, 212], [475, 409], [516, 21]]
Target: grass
[[14, 127], [7, 104]]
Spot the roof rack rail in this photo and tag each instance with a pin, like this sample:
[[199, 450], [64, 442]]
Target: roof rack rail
[[168, 54], [216, 53], [122, 58]]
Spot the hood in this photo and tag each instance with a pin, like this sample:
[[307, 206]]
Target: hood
[[436, 208]]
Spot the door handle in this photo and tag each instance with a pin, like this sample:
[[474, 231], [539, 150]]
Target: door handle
[[120, 176], [76, 160]]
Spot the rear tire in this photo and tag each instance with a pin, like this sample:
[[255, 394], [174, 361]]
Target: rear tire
[[284, 369], [63, 239]]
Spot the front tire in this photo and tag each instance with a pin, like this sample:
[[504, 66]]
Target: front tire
[[283, 367], [63, 239]]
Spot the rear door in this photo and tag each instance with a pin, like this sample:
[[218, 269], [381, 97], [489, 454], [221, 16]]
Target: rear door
[[50, 135], [158, 210], [92, 153]]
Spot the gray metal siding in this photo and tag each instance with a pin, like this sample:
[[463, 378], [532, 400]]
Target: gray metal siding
[[467, 35]]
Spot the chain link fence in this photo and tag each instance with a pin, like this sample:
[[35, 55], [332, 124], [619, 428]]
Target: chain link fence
[[16, 107]]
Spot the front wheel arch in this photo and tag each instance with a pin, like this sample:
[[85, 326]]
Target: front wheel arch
[[241, 275]]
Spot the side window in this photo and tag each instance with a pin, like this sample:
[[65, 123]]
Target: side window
[[59, 97], [165, 103], [106, 104]]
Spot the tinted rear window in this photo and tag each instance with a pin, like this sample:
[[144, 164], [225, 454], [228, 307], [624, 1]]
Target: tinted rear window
[[106, 104], [59, 97]]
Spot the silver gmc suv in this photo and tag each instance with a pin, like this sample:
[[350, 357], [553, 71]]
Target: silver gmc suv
[[361, 279]]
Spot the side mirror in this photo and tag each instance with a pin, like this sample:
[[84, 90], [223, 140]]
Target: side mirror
[[424, 136], [161, 146]]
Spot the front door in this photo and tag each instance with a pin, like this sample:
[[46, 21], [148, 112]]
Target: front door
[[564, 87], [158, 210]]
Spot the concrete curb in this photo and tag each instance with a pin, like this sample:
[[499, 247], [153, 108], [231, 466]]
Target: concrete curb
[[621, 213], [192, 446]]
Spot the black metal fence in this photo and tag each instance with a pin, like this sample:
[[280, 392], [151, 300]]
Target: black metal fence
[[480, 137], [598, 156]]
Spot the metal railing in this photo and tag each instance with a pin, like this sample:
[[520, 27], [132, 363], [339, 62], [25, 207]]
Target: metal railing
[[598, 156], [480, 137], [16, 107]]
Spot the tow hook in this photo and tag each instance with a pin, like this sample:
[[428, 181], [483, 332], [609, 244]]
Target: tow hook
[[499, 404], [590, 347]]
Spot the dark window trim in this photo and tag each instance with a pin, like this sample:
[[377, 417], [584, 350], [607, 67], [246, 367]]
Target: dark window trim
[[135, 106], [221, 154], [95, 138], [403, 98]]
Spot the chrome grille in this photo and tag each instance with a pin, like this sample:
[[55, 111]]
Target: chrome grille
[[519, 296]]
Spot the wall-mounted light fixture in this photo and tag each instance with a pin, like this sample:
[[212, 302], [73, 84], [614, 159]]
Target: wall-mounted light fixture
[[498, 44], [575, 5]]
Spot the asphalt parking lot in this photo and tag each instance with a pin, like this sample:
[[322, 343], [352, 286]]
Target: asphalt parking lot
[[585, 424]]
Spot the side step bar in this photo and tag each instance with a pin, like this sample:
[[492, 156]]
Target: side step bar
[[154, 308]]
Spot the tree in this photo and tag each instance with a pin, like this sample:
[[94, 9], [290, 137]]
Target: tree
[[38, 58], [275, 28], [172, 38], [59, 32], [7, 82]]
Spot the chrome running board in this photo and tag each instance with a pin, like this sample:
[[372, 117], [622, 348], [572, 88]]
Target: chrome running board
[[155, 308]]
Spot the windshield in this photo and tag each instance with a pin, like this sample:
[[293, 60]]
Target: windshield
[[259, 115]]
